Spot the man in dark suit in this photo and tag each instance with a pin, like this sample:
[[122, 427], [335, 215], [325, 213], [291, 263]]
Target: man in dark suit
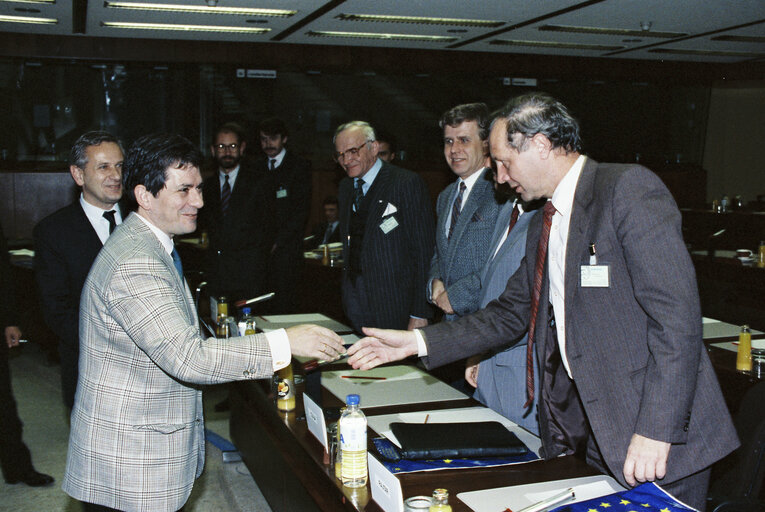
[[327, 231], [238, 217], [68, 241], [386, 225], [288, 183], [467, 212], [626, 380], [15, 459]]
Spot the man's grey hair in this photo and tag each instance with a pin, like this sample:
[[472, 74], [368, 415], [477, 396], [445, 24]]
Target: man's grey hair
[[366, 129]]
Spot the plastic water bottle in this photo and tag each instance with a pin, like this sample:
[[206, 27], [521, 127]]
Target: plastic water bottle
[[247, 322], [353, 443]]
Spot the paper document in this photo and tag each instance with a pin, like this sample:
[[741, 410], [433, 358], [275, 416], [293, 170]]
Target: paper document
[[272, 322], [389, 385], [717, 329], [520, 496], [733, 345]]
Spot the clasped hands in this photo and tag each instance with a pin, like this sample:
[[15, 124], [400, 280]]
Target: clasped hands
[[440, 297], [314, 341]]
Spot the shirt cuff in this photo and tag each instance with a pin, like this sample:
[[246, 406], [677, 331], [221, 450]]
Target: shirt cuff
[[422, 348], [279, 343]]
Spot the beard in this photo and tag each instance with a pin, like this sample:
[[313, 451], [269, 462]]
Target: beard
[[228, 161]]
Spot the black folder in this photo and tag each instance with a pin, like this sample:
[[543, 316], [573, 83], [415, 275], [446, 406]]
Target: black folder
[[456, 440]]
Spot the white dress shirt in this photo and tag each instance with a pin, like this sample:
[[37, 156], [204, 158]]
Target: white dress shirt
[[516, 204], [563, 200], [232, 175], [96, 217], [469, 182], [278, 159]]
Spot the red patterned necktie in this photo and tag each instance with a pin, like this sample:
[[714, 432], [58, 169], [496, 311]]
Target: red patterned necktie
[[513, 218], [539, 268]]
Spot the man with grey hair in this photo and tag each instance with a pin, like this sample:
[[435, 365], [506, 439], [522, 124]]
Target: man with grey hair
[[68, 241], [608, 294], [386, 226]]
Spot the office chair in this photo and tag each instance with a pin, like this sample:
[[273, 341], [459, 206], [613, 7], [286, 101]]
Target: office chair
[[737, 480]]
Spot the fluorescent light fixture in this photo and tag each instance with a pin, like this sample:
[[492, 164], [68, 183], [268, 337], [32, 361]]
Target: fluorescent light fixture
[[28, 19], [610, 31], [420, 20], [557, 45], [183, 28], [390, 37], [50, 2], [238, 11], [710, 53], [740, 39]]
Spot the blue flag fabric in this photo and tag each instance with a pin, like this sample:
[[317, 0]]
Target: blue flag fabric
[[648, 497]]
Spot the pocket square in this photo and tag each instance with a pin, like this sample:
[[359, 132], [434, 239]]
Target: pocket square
[[389, 210]]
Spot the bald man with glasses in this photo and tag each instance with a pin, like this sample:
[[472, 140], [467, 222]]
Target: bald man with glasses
[[387, 229]]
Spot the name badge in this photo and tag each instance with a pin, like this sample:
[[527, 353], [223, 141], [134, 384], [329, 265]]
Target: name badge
[[594, 276], [281, 193], [389, 225]]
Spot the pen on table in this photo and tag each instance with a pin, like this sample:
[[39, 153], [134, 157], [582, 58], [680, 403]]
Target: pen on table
[[23, 341], [556, 499], [362, 377]]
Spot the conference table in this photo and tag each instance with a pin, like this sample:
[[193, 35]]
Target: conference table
[[294, 472]]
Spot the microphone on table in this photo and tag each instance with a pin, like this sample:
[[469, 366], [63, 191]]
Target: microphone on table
[[711, 243], [261, 298]]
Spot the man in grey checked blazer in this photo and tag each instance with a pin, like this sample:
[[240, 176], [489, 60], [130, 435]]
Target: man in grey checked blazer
[[625, 378], [137, 427], [462, 235]]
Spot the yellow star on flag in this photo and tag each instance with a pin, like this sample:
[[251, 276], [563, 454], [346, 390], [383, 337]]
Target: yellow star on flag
[[448, 461], [605, 504], [646, 505], [593, 510], [625, 502], [664, 510]]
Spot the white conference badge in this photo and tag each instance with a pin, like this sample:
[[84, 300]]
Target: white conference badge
[[389, 225]]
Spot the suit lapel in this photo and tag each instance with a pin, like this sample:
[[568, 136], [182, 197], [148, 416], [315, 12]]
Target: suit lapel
[[577, 232], [474, 200], [85, 228], [377, 204]]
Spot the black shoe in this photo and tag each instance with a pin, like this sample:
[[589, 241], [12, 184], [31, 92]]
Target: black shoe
[[30, 477], [222, 406]]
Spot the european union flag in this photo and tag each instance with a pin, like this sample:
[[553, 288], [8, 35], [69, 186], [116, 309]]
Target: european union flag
[[648, 497]]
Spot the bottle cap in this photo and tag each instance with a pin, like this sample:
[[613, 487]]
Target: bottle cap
[[246, 311], [352, 399]]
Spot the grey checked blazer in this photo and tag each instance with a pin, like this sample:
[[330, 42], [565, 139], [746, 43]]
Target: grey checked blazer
[[137, 429], [502, 377], [458, 262], [635, 348]]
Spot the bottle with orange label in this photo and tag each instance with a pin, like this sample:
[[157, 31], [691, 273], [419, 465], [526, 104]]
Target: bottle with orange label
[[285, 389]]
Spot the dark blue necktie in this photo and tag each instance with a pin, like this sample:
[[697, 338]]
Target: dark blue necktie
[[225, 195], [358, 193], [456, 209], [177, 262]]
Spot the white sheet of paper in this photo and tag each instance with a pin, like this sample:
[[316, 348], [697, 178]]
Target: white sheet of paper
[[386, 488], [402, 385], [717, 329], [272, 322], [520, 496], [381, 423], [733, 345], [315, 419]]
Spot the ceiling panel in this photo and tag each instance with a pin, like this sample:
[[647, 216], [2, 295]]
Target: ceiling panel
[[518, 22]]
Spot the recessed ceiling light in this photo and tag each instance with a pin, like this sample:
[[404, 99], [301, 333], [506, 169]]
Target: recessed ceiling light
[[391, 37], [420, 20], [28, 19], [183, 28], [550, 44], [240, 11], [610, 31]]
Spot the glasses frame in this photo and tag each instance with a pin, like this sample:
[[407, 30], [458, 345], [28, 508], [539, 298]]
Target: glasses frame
[[340, 156], [231, 147]]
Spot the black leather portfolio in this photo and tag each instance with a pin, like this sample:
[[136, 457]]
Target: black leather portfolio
[[456, 440]]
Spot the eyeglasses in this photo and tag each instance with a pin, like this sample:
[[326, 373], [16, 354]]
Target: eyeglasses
[[340, 156], [222, 147]]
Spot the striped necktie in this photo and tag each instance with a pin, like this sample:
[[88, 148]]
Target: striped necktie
[[539, 268], [225, 196], [456, 209]]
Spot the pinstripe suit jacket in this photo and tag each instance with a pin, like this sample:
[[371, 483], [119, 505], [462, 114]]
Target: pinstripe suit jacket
[[635, 348], [502, 377], [137, 429], [394, 264], [458, 261]]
